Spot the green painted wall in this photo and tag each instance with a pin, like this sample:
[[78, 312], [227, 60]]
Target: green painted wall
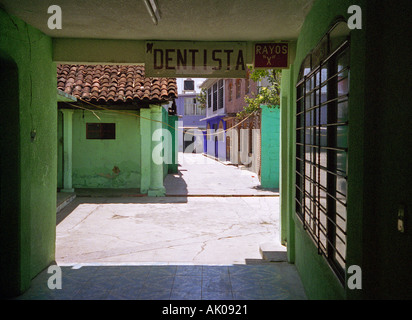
[[287, 223], [59, 150], [270, 144], [379, 153], [319, 280], [146, 149], [28, 204], [94, 160]]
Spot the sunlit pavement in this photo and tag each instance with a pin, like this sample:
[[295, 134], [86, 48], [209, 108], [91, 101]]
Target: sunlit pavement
[[200, 244], [194, 230], [200, 175]]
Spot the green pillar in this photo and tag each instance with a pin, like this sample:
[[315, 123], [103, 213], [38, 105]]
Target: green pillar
[[146, 149], [270, 128], [156, 175], [67, 150]]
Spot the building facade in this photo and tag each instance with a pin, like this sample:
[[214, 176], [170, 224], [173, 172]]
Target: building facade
[[215, 113], [192, 128], [115, 113], [239, 140], [243, 142]]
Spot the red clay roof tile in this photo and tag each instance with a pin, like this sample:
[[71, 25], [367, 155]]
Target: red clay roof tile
[[114, 83]]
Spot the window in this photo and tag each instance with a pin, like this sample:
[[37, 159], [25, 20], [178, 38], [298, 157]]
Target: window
[[189, 85], [322, 147], [101, 131], [192, 108], [215, 97], [220, 100], [230, 90], [209, 97]]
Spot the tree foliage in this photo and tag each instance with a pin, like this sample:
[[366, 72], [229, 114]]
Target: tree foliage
[[267, 95], [202, 98]]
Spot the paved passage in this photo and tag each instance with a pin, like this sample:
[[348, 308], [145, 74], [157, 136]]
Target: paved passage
[[195, 230], [227, 224], [273, 281], [201, 241], [200, 175]]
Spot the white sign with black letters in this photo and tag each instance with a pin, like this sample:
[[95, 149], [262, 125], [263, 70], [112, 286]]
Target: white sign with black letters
[[191, 59]]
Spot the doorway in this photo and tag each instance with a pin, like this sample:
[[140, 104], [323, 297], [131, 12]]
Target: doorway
[[10, 221]]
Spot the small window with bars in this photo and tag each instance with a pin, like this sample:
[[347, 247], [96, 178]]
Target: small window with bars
[[322, 146], [102, 131]]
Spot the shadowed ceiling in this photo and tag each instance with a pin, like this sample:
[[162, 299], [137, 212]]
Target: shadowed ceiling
[[201, 20]]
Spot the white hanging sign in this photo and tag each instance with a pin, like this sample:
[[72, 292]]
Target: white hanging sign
[[195, 59]]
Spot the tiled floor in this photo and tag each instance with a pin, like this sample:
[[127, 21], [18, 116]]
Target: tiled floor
[[227, 236], [267, 281]]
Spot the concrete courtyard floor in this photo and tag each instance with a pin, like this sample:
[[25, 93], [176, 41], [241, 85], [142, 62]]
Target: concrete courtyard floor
[[199, 242], [194, 230]]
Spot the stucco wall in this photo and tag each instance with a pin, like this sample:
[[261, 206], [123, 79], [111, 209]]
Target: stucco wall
[[270, 143], [319, 280], [378, 154], [94, 159], [189, 120], [213, 141], [236, 104], [34, 186]]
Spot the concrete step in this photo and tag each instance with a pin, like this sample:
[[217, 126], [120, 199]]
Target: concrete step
[[273, 252], [63, 199]]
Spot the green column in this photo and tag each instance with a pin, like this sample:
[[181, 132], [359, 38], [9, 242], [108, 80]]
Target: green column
[[156, 175], [146, 149], [270, 128], [67, 150]]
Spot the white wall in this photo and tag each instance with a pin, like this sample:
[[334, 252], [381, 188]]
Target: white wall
[[198, 81]]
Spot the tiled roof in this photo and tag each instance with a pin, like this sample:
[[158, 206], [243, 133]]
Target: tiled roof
[[114, 83]]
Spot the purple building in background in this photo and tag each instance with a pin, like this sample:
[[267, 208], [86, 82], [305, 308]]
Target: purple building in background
[[191, 128]]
